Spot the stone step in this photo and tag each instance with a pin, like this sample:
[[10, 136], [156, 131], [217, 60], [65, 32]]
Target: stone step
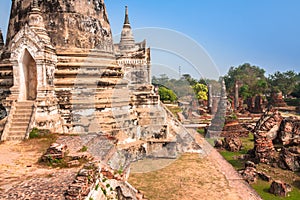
[[29, 106], [22, 116], [24, 112], [20, 123], [14, 138], [23, 108], [18, 129], [25, 103], [16, 133], [20, 120]]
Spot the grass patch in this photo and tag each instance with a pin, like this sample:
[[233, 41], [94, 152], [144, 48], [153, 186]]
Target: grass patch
[[83, 149], [262, 188], [201, 131], [174, 110], [211, 141], [38, 133], [34, 133], [97, 187], [231, 158], [248, 143]]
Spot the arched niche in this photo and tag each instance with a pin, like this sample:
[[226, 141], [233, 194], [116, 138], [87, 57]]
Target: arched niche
[[28, 77]]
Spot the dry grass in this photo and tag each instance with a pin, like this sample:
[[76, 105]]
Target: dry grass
[[189, 177]]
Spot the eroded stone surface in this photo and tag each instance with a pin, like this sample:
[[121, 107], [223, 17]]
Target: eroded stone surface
[[280, 188]]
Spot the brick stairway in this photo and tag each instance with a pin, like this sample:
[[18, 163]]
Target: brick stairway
[[20, 120]]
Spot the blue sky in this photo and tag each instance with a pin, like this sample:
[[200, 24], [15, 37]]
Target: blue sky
[[265, 33]]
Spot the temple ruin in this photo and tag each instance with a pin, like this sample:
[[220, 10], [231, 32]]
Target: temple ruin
[[60, 71]]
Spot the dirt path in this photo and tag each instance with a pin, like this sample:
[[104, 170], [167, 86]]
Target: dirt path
[[234, 179], [18, 162], [192, 176], [22, 177]]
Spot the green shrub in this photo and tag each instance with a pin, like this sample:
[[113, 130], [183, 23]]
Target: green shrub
[[84, 149], [34, 133], [167, 94]]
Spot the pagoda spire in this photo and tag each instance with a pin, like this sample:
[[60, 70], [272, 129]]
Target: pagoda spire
[[35, 4], [126, 21], [127, 42]]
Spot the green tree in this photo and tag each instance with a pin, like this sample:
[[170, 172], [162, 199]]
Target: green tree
[[296, 91], [283, 81], [166, 94], [245, 92], [251, 79], [200, 91], [189, 79]]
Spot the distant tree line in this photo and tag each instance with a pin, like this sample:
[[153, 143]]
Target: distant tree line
[[252, 81], [174, 89]]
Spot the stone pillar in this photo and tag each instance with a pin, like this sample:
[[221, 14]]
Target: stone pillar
[[46, 114], [236, 96]]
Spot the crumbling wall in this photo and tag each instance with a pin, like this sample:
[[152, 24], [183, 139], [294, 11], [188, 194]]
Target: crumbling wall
[[277, 140], [97, 181], [266, 131]]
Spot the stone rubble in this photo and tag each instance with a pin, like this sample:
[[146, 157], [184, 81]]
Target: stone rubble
[[263, 176], [289, 133], [55, 151], [280, 188], [249, 174], [271, 131], [98, 181], [289, 158], [233, 144], [233, 128]]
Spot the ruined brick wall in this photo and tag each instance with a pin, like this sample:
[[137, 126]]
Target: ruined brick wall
[[277, 141], [266, 132]]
